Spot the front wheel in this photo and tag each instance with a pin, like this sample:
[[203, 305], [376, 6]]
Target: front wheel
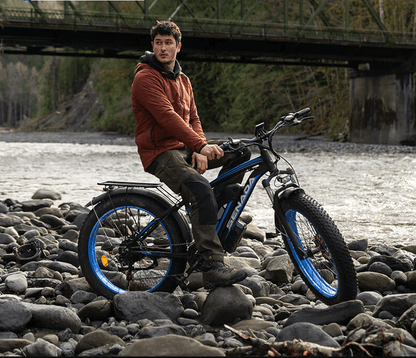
[[328, 269], [113, 260]]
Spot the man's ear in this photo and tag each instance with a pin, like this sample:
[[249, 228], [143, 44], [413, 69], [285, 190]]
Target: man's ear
[[152, 44], [179, 47]]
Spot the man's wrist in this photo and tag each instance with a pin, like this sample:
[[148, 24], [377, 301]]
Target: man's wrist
[[199, 151]]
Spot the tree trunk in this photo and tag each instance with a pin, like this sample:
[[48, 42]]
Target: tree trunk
[[10, 112], [381, 10], [55, 82], [414, 23], [2, 109]]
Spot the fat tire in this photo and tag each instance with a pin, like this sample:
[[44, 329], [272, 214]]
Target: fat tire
[[305, 206], [88, 235]]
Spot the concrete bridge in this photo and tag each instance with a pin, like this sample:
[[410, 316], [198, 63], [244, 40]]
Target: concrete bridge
[[296, 32]]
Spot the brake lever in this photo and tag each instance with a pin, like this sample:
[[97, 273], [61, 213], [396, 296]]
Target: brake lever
[[231, 146], [300, 120], [307, 118]]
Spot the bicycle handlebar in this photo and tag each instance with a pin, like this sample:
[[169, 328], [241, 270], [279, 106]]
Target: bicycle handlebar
[[261, 134], [301, 113]]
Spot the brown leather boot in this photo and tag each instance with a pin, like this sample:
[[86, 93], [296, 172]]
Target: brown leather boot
[[215, 273]]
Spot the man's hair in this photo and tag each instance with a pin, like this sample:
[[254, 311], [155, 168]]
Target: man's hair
[[166, 28]]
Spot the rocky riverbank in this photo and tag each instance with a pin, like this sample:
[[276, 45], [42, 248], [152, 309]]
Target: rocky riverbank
[[48, 309]]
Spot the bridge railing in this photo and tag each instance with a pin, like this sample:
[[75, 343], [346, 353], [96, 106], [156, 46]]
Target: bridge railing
[[194, 26]]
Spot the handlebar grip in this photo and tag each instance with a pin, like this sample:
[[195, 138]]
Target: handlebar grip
[[302, 112], [224, 146]]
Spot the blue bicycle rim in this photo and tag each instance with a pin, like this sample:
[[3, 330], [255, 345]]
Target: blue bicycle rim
[[93, 260], [305, 265]]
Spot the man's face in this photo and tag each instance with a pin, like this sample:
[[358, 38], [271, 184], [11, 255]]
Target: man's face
[[165, 49]]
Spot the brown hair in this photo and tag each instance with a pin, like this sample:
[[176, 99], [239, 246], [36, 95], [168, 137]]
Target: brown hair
[[166, 28]]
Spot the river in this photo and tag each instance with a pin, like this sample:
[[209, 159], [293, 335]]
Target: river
[[368, 195]]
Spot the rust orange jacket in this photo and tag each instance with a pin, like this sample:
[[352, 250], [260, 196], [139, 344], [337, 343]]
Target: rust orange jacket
[[164, 110]]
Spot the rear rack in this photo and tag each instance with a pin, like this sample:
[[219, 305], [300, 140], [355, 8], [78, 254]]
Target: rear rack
[[111, 185], [129, 184]]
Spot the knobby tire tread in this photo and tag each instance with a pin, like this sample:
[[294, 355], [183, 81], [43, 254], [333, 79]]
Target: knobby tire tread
[[347, 279], [178, 265]]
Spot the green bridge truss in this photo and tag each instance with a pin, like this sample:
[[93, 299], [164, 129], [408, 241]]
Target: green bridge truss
[[309, 36]]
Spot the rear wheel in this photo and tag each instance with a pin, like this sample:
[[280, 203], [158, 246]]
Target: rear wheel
[[114, 262], [328, 269]]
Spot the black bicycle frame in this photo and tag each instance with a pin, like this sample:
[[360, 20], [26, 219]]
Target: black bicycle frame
[[233, 209], [260, 166]]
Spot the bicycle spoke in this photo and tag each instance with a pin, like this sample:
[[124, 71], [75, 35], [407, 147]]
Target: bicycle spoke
[[316, 249], [124, 262]]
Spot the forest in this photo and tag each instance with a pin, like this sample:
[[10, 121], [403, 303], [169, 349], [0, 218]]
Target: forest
[[231, 97]]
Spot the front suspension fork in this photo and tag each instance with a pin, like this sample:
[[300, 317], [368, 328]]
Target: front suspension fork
[[274, 197]]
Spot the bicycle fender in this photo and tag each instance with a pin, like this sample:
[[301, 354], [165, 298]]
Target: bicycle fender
[[288, 191], [182, 223], [284, 194]]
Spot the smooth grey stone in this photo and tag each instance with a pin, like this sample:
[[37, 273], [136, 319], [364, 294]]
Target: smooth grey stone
[[371, 281], [16, 282], [369, 298], [6, 239], [9, 220], [225, 305], [8, 335], [42, 348], [69, 257], [399, 277], [280, 269], [402, 264], [395, 304], [119, 331], [97, 338], [82, 296], [96, 311], [9, 344], [14, 315], [35, 204], [170, 345], [3, 208], [380, 267], [150, 332], [134, 305], [258, 285], [358, 245], [45, 193], [307, 332], [54, 221], [340, 313], [53, 317]]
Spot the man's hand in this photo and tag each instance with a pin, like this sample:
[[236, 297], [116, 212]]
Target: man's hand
[[209, 152], [212, 151], [199, 162]]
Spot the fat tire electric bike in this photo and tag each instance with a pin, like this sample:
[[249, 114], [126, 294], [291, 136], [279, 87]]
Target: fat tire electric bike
[[137, 236]]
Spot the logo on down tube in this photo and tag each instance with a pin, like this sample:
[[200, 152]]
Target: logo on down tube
[[240, 202]]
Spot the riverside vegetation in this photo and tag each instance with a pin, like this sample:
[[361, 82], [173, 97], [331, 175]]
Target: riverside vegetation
[[48, 309], [38, 92]]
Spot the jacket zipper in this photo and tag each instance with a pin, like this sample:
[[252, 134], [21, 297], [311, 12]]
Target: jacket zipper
[[180, 98]]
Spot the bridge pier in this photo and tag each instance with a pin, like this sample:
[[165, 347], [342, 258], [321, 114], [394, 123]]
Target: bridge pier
[[382, 107]]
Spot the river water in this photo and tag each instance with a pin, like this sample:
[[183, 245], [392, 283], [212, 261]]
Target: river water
[[368, 195]]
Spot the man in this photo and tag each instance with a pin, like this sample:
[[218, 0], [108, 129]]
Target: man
[[172, 145]]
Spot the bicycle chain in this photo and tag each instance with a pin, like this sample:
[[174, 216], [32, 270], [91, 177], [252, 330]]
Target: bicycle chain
[[179, 275], [158, 246]]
